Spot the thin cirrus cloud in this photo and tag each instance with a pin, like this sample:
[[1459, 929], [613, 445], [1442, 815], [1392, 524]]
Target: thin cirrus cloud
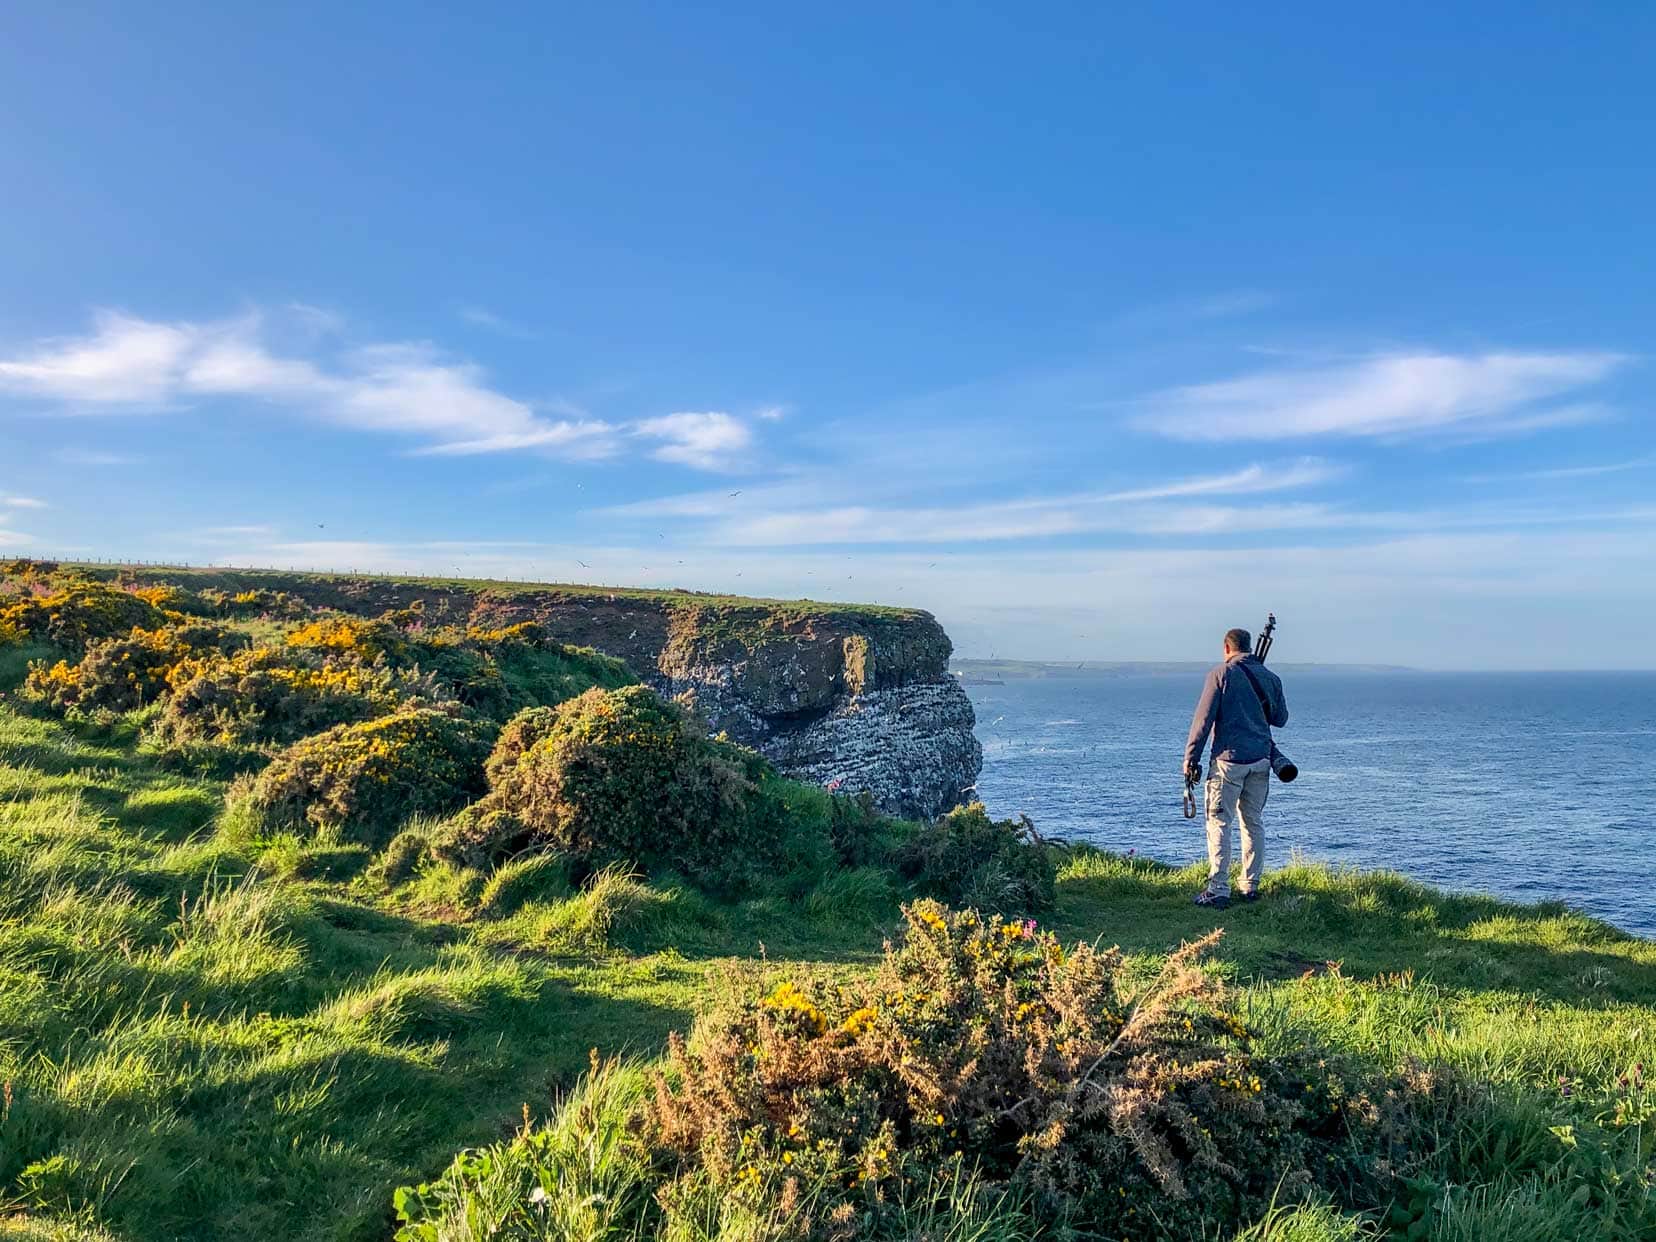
[[72, 456], [772, 516], [1395, 395], [1565, 472], [133, 365]]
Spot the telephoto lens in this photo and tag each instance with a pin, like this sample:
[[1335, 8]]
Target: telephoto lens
[[1283, 766]]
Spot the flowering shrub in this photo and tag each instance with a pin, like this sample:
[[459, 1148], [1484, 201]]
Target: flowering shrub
[[247, 604], [273, 694], [966, 858], [615, 775], [361, 782], [174, 599], [354, 636], [519, 736], [119, 674], [79, 613], [985, 1043]]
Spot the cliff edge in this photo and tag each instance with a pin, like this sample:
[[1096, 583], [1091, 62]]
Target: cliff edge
[[854, 694]]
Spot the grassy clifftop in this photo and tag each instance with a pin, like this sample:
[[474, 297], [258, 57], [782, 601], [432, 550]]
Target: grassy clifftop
[[296, 904], [201, 1040], [324, 588]]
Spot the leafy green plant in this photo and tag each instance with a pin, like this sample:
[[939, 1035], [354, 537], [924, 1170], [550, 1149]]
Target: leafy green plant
[[966, 858]]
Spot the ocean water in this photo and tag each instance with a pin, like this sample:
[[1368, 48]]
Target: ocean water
[[1533, 786]]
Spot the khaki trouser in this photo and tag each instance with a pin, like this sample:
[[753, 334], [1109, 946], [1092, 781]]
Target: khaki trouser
[[1236, 791]]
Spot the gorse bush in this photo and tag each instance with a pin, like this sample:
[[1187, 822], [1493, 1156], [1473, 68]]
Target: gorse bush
[[250, 604], [76, 614], [616, 775], [275, 694], [175, 599], [361, 782], [966, 858], [985, 1082], [360, 637], [987, 1044], [119, 674]]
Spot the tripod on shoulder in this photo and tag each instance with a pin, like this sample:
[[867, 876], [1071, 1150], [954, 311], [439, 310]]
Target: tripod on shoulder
[[1283, 766]]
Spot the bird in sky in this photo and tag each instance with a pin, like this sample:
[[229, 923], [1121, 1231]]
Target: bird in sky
[[582, 563], [737, 492]]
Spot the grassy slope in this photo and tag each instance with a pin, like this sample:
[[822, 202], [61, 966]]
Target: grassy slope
[[197, 1049]]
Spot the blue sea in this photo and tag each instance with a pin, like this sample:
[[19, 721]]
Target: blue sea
[[1532, 786]]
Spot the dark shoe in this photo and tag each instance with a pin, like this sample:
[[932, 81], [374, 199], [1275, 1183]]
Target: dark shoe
[[1212, 901], [1247, 898]]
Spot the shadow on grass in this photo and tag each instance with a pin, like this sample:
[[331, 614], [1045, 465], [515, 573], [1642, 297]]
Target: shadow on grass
[[307, 1135]]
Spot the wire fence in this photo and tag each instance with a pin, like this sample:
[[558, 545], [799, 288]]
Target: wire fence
[[115, 562]]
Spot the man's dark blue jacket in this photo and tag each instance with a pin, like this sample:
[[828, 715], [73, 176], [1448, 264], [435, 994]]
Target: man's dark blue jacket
[[1230, 710]]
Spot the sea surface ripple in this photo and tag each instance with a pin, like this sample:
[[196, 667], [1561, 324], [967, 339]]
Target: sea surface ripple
[[1532, 786]]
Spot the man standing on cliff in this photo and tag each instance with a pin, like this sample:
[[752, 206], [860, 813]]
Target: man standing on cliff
[[1241, 699]]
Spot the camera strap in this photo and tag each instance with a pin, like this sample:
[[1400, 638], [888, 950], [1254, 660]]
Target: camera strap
[[1264, 704]]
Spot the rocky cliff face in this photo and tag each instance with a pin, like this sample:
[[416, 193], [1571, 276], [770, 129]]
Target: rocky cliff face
[[851, 699], [861, 696]]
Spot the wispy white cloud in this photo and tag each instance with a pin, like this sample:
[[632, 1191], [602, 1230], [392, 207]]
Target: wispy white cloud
[[1565, 472], [708, 441], [10, 501], [1234, 302], [126, 361], [244, 531], [128, 364], [482, 317], [94, 457], [784, 513], [1390, 395], [1279, 477]]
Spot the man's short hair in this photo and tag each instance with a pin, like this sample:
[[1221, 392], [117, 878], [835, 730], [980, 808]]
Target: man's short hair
[[1239, 640]]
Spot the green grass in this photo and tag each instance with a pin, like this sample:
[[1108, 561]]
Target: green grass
[[306, 583], [212, 1041]]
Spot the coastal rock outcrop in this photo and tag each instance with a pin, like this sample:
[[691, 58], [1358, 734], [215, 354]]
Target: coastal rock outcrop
[[855, 696], [845, 698]]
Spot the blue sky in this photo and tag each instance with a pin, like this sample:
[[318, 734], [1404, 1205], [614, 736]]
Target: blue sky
[[1095, 333]]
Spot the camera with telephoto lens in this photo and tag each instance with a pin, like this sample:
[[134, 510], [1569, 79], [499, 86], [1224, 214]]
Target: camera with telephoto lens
[[1283, 766]]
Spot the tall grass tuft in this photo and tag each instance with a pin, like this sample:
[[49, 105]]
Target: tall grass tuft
[[583, 1177]]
